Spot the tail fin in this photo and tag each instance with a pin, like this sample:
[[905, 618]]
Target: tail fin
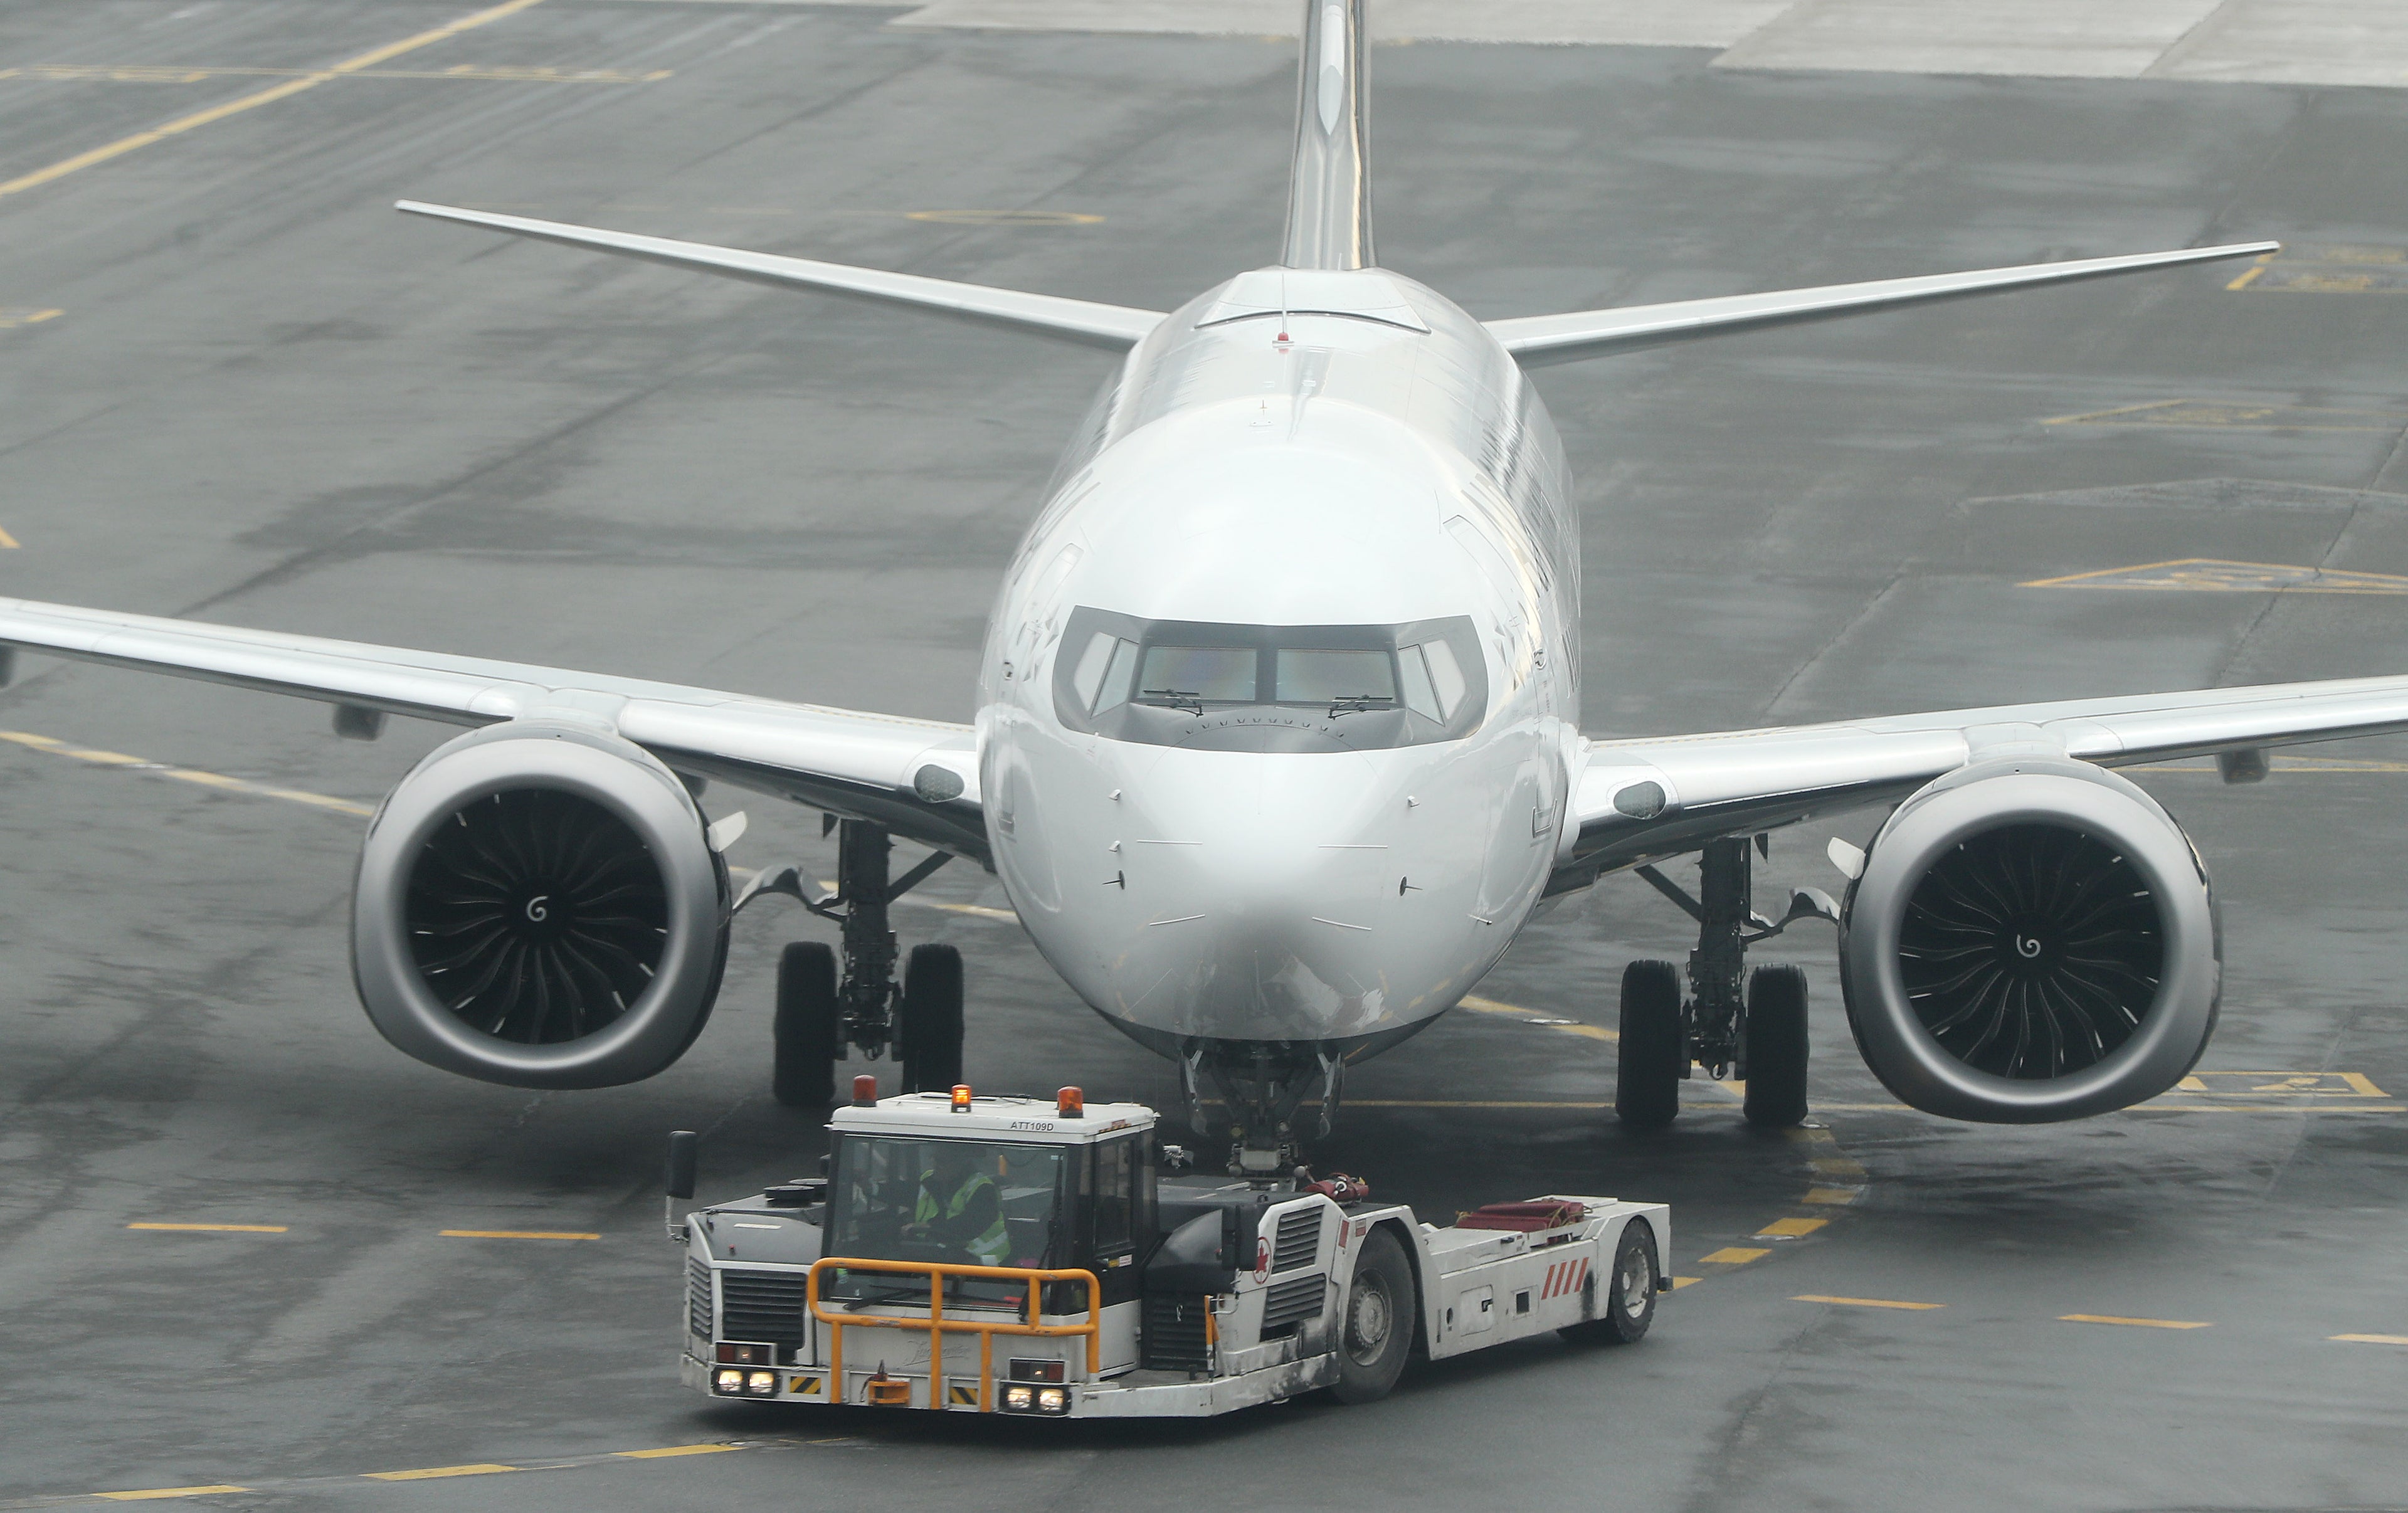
[[1329, 185]]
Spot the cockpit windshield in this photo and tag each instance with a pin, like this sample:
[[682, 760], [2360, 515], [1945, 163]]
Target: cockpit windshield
[[966, 1203], [1269, 687]]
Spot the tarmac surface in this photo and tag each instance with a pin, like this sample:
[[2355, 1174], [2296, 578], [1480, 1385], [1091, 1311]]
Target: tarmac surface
[[234, 385]]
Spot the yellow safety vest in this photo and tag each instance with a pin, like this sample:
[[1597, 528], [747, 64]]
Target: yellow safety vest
[[991, 1247]]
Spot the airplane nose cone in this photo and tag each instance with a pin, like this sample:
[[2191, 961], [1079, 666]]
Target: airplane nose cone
[[1261, 896]]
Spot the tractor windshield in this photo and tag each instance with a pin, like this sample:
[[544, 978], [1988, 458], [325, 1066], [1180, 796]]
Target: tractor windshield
[[964, 1202]]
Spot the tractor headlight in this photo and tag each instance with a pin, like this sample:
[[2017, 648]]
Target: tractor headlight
[[760, 1384], [1053, 1399], [1019, 1399], [726, 1382]]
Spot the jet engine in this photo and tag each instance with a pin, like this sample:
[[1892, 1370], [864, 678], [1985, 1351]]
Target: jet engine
[[2028, 941], [538, 906]]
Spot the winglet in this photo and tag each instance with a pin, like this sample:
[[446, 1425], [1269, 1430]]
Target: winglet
[[1113, 327], [1329, 182]]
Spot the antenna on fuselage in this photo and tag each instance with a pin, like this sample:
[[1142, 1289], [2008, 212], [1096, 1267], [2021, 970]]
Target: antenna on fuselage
[[1329, 181]]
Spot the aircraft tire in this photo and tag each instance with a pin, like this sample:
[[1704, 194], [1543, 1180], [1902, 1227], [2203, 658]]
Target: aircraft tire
[[804, 1036], [1630, 1290], [1375, 1328], [1647, 1064], [932, 1019], [1776, 1048]]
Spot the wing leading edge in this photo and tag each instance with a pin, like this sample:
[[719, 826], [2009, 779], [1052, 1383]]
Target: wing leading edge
[[1640, 800], [1541, 340], [1113, 327], [869, 766]]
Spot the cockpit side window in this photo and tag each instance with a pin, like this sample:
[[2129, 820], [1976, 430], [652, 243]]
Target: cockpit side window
[[1269, 687]]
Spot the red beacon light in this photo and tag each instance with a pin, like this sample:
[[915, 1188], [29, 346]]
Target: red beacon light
[[865, 1091], [961, 1097], [1070, 1104]]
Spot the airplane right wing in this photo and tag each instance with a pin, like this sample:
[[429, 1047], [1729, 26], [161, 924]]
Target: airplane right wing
[[1646, 799], [1541, 340]]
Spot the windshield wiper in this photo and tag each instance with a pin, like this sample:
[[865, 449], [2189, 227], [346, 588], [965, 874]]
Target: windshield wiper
[[1172, 698], [1356, 703]]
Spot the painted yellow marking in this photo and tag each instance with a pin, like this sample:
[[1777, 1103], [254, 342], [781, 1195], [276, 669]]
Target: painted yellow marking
[[2136, 1323], [1833, 1195], [430, 1473], [147, 1494], [12, 317], [2210, 575], [1006, 218], [1490, 1006], [2210, 414], [1680, 1282], [1809, 1135], [2371, 1339], [266, 96], [1866, 1303], [515, 1234], [188, 775], [225, 1229], [1790, 1229], [1840, 1166], [2326, 269], [7, 542], [1732, 1255], [1439, 1103], [2286, 1084], [672, 1450], [173, 74], [977, 910]]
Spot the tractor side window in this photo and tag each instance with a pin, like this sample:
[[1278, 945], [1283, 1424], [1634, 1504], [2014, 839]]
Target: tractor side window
[[1115, 1195]]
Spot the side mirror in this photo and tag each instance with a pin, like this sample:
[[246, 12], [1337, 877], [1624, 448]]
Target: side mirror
[[681, 1164], [824, 1165]]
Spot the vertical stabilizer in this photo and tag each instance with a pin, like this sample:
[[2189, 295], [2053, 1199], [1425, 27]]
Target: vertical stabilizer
[[1330, 187]]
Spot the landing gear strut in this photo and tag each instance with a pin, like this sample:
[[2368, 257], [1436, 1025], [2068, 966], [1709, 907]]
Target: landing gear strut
[[1739, 1025], [824, 1014], [1263, 1084]]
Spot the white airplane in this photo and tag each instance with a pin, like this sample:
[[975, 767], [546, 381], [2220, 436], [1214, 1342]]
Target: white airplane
[[1278, 746]]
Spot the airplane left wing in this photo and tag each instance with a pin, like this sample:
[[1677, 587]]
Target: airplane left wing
[[1645, 799], [916, 777]]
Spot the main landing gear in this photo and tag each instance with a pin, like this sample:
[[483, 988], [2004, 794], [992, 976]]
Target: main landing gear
[[1751, 1025], [832, 1002]]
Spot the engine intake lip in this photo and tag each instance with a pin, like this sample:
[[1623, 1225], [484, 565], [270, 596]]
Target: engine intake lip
[[634, 789], [2066, 796]]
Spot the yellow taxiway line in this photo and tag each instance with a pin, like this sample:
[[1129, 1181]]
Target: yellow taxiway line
[[267, 96]]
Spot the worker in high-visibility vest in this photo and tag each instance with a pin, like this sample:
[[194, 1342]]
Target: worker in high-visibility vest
[[959, 1206]]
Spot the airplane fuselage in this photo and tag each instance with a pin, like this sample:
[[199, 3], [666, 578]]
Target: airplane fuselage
[[1300, 482]]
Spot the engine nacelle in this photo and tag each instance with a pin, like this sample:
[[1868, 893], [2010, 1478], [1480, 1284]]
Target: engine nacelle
[[537, 906], [2031, 940]]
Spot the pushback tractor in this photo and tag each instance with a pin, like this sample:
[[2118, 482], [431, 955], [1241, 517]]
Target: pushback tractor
[[971, 1254]]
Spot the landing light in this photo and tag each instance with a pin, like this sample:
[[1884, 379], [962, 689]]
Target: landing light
[[961, 1097], [1071, 1104]]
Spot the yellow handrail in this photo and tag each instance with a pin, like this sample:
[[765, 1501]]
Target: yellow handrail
[[936, 1323]]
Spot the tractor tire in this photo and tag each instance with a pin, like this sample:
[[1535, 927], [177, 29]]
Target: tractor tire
[[1630, 1290], [1375, 1329]]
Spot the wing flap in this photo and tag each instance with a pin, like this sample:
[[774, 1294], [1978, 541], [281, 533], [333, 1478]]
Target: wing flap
[[1539, 341], [1113, 327]]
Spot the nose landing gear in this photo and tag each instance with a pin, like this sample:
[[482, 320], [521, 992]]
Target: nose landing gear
[[1746, 1025], [824, 1015], [1264, 1085]]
